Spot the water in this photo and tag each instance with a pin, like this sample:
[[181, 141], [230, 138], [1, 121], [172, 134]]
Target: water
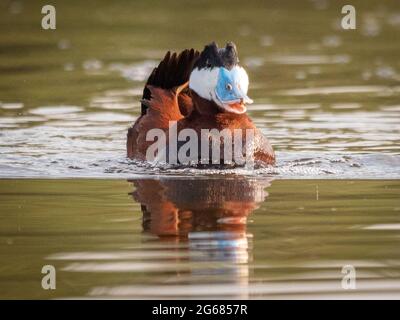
[[330, 96], [328, 100], [200, 238]]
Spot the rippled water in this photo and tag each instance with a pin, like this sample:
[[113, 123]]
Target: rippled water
[[68, 141], [328, 100]]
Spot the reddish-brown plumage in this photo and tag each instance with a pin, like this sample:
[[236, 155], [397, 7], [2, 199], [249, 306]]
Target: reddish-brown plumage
[[161, 108], [167, 98]]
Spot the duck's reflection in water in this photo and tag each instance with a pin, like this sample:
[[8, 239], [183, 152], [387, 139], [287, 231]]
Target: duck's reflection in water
[[210, 216]]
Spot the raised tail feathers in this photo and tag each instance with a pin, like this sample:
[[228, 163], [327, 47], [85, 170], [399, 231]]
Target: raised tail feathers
[[173, 71]]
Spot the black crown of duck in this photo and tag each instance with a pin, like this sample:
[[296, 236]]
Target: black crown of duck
[[212, 56], [206, 90]]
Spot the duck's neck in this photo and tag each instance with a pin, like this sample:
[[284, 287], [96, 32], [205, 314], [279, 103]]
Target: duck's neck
[[203, 106]]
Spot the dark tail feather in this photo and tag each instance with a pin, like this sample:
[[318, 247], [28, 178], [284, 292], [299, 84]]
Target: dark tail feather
[[174, 70]]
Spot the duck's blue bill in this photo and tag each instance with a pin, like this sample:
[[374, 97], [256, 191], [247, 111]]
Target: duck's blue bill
[[228, 87]]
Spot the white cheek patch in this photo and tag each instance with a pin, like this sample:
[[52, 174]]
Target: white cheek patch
[[204, 81], [242, 78]]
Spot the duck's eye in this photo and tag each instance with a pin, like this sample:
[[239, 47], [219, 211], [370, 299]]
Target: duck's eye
[[228, 87]]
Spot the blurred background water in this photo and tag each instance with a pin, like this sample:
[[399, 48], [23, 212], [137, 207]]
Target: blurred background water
[[327, 98]]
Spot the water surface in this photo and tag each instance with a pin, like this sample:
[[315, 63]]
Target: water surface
[[328, 100], [202, 238]]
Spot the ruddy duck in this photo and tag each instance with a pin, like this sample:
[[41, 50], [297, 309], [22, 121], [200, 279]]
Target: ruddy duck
[[197, 91]]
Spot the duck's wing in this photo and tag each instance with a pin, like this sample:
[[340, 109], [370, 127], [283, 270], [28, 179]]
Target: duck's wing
[[165, 98], [172, 72]]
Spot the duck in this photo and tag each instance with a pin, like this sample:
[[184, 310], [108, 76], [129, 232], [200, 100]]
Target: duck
[[198, 91]]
